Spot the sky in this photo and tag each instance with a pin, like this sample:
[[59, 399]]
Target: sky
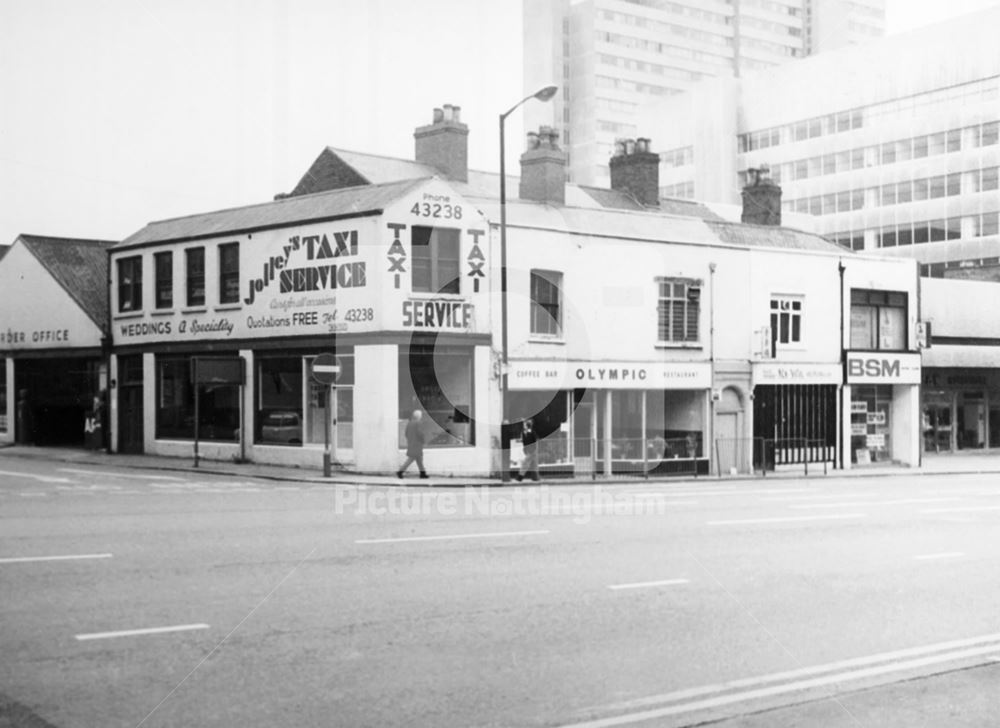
[[114, 113]]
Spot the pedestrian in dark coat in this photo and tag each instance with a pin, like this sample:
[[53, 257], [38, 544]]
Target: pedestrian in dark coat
[[414, 445], [529, 442]]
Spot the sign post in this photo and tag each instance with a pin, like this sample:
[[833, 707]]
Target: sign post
[[326, 371]]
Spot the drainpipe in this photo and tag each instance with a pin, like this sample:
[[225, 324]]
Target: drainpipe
[[711, 364], [840, 389]]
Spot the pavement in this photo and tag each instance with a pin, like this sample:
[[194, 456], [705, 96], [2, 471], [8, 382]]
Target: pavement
[[933, 464]]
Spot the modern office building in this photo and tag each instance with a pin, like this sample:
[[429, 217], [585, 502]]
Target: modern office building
[[894, 146], [611, 58]]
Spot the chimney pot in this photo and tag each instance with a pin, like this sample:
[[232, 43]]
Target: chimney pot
[[635, 170], [456, 112], [761, 198], [543, 168], [444, 144]]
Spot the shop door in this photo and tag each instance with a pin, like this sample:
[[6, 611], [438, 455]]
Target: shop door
[[937, 423], [130, 388], [972, 421]]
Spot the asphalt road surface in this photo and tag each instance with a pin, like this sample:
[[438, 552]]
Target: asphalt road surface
[[147, 598]]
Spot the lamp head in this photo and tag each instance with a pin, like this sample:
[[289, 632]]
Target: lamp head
[[546, 93]]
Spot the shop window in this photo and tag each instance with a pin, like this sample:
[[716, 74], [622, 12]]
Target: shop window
[[279, 417], [195, 266], [878, 320], [546, 303], [678, 310], [435, 259], [130, 283], [164, 265], [871, 422], [675, 426], [438, 381], [786, 319], [229, 273], [218, 404]]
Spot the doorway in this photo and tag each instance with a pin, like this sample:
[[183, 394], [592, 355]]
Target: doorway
[[130, 414]]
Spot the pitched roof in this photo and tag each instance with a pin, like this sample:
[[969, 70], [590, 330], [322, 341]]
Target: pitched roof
[[3, 251], [770, 236], [79, 266], [345, 202]]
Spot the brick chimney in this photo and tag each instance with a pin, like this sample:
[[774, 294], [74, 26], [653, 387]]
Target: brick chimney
[[761, 198], [444, 144], [543, 168], [636, 171]]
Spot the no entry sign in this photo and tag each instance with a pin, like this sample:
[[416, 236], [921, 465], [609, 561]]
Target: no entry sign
[[326, 369]]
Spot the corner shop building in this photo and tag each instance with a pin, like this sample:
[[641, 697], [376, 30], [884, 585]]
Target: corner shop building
[[390, 278]]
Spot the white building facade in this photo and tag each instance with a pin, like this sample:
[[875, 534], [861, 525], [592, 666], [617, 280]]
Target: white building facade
[[612, 58], [894, 146]]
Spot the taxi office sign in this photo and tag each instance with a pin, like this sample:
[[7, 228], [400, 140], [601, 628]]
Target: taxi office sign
[[875, 367]]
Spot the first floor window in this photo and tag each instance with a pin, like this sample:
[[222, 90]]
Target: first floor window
[[218, 404], [130, 283], [437, 381], [678, 310], [786, 319], [435, 259], [878, 320], [229, 273], [546, 309], [164, 264], [195, 264]]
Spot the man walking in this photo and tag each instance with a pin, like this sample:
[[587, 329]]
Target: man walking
[[414, 445], [529, 462]]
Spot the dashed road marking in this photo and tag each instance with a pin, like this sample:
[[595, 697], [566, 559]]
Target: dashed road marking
[[944, 555], [648, 584], [119, 475], [140, 632], [69, 557], [787, 519], [455, 536]]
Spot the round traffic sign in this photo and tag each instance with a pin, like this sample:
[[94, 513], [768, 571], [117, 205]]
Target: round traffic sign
[[326, 369]]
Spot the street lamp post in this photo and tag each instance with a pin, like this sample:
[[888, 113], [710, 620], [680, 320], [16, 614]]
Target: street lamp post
[[542, 95]]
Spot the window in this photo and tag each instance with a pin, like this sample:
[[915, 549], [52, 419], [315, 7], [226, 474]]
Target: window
[[990, 134], [904, 191], [546, 309], [195, 264], [164, 264], [954, 183], [437, 380], [920, 234], [887, 238], [954, 140], [889, 194], [229, 273], [937, 186], [954, 228], [435, 259], [988, 180], [987, 224], [938, 230], [905, 235], [130, 284], [878, 320], [678, 310], [920, 189], [786, 319], [218, 404]]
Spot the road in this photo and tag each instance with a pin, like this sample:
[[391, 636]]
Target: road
[[149, 598]]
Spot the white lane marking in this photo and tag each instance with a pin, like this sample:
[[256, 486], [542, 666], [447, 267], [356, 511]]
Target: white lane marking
[[33, 495], [495, 534], [883, 657], [644, 584], [697, 493], [789, 519], [722, 700], [138, 632], [961, 509], [42, 478], [855, 504], [818, 496], [119, 475], [943, 555], [72, 557]]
